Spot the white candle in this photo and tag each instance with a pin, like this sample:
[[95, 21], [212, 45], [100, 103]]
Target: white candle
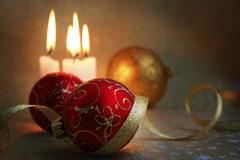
[[75, 67], [48, 64], [89, 63], [89, 68], [84, 68]]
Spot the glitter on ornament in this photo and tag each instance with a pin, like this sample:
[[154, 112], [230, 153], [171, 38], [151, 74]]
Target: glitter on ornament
[[141, 70], [100, 112], [51, 90]]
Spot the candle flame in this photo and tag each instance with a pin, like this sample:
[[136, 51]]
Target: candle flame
[[85, 40], [73, 38], [51, 32], [70, 46]]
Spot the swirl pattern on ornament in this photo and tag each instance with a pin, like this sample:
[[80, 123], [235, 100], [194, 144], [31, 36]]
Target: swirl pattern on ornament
[[106, 80], [95, 111], [94, 137], [51, 90], [47, 96], [82, 96], [123, 104], [39, 85], [60, 90], [109, 122], [33, 92], [64, 88]]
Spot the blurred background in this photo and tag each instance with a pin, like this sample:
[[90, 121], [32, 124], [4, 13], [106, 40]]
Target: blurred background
[[201, 39]]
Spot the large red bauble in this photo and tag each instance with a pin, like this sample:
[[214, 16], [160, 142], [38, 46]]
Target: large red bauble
[[95, 111], [52, 91]]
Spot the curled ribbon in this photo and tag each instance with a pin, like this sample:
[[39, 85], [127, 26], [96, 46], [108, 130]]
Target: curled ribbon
[[207, 125], [6, 115], [54, 117]]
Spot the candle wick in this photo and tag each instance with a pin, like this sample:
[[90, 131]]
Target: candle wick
[[74, 57], [85, 54], [50, 51]]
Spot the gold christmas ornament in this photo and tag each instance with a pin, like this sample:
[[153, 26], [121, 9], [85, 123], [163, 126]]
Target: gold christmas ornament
[[141, 70]]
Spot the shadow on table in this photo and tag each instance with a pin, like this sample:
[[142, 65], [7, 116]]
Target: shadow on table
[[38, 145]]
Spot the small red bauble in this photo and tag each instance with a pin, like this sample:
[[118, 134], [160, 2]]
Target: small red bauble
[[52, 91], [95, 112]]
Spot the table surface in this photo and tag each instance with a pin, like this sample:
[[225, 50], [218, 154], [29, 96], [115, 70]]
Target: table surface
[[200, 39], [28, 141]]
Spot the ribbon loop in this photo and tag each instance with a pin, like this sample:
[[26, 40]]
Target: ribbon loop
[[207, 125]]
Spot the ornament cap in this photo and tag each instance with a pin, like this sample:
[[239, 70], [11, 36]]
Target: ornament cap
[[56, 125]]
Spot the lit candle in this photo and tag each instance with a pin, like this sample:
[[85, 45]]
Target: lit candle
[[84, 68], [88, 62], [47, 63]]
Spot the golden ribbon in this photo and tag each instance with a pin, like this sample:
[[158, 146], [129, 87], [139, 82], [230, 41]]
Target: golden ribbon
[[207, 125], [135, 116], [6, 115], [125, 133]]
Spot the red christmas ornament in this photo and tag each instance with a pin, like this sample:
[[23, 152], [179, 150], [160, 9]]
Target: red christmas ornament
[[96, 112], [51, 90]]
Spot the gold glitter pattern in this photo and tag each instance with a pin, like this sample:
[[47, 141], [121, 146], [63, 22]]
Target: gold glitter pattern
[[128, 128], [141, 70], [107, 118], [61, 88], [124, 134]]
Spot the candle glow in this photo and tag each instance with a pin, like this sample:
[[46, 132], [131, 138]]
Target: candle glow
[[75, 42], [47, 63], [70, 41], [84, 68], [51, 32], [85, 40]]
